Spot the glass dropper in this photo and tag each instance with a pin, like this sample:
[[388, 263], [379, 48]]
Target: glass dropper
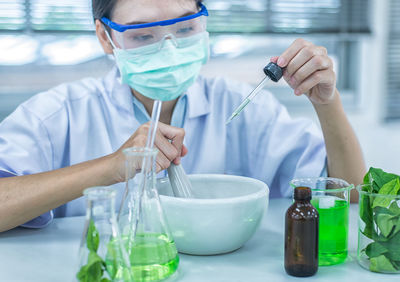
[[248, 99], [273, 72]]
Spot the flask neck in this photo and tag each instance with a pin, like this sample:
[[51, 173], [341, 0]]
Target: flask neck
[[100, 208], [139, 160], [100, 203]]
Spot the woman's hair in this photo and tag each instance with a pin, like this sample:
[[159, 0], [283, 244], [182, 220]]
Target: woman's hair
[[104, 8]]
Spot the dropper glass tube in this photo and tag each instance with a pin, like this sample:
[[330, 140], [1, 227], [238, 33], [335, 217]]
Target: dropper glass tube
[[273, 72], [248, 99]]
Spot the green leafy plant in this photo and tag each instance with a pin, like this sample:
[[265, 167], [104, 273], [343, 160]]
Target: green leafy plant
[[381, 215], [94, 269]]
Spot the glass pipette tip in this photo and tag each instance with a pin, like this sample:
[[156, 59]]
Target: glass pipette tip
[[248, 99]]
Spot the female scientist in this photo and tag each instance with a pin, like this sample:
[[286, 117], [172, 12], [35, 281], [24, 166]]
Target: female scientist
[[71, 137]]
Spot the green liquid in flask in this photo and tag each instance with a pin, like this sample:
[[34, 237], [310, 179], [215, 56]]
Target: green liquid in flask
[[333, 230], [153, 257]]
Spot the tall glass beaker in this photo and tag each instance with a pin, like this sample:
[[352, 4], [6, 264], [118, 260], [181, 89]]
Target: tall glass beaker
[[102, 255], [146, 236], [331, 197]]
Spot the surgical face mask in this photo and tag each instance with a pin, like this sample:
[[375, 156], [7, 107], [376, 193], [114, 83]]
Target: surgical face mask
[[163, 74], [160, 60]]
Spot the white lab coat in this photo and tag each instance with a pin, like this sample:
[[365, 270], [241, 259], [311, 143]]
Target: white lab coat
[[84, 120]]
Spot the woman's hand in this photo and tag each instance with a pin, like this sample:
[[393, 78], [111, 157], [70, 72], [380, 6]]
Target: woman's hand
[[168, 141], [308, 71]]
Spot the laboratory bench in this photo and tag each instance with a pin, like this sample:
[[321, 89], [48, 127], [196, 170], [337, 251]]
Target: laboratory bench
[[51, 254]]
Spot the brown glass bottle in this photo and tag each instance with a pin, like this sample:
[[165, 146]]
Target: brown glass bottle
[[301, 235]]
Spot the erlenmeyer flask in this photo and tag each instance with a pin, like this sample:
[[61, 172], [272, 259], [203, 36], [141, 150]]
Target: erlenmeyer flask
[[148, 241], [102, 255]]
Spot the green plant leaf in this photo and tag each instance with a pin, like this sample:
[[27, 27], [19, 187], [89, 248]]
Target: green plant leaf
[[82, 274], [394, 208], [381, 263], [382, 218], [94, 267], [367, 232], [385, 223], [375, 249], [367, 188], [393, 255], [368, 179], [92, 238], [366, 215], [396, 264], [93, 270], [372, 234], [377, 178], [396, 229], [387, 220], [393, 244], [390, 188]]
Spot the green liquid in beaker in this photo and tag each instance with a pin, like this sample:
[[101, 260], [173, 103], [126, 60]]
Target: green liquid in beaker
[[333, 229]]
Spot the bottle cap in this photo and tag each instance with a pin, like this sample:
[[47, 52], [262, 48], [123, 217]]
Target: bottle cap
[[302, 193], [273, 71]]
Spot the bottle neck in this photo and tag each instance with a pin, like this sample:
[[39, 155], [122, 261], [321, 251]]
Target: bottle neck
[[302, 194]]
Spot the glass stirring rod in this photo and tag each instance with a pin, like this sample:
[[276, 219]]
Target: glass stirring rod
[[273, 72]]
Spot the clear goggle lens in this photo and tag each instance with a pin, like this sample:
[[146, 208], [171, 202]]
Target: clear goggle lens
[[135, 38]]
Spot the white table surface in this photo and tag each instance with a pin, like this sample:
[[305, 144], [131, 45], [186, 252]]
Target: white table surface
[[50, 254]]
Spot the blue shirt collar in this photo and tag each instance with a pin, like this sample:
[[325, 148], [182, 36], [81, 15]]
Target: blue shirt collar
[[178, 115], [198, 103]]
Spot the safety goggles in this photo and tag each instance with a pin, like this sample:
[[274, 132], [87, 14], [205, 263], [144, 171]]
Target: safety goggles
[[140, 35]]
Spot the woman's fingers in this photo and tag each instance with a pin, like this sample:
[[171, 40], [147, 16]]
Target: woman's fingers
[[274, 59], [292, 51], [184, 151], [309, 70], [176, 135], [315, 64], [169, 141], [166, 147], [305, 55], [318, 77], [162, 162]]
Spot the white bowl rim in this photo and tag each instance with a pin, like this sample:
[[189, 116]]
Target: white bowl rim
[[259, 194]]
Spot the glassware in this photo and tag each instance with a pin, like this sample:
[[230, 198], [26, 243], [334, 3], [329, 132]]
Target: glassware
[[378, 231], [146, 236], [102, 255], [301, 235], [331, 197]]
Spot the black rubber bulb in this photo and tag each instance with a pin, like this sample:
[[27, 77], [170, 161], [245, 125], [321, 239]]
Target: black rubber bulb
[[273, 71]]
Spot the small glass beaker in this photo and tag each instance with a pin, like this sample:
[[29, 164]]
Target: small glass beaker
[[146, 236], [102, 255], [378, 231], [331, 197]]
